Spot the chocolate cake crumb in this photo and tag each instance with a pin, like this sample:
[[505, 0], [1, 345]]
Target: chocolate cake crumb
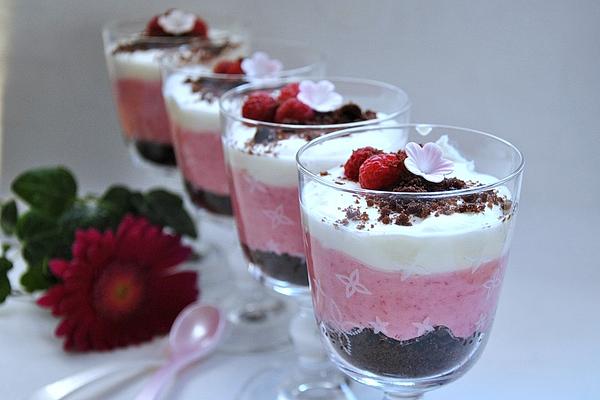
[[211, 89], [283, 267], [347, 113], [432, 353], [200, 50], [323, 173], [394, 209]]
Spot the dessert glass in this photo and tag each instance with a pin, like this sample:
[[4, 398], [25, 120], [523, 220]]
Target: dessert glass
[[136, 83], [192, 91], [264, 187], [407, 308]]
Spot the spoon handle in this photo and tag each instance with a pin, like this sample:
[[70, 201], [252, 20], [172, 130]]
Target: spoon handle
[[165, 374], [66, 386]]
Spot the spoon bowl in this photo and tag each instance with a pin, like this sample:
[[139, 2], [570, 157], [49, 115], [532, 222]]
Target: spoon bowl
[[197, 327]]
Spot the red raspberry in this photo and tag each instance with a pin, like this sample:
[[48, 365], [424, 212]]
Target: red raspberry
[[229, 67], [200, 29], [381, 171], [293, 111], [259, 106], [289, 91], [357, 158], [154, 29]]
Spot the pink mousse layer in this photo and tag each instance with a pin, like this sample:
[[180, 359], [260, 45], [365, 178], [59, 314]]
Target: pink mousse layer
[[142, 110], [268, 217], [200, 158], [349, 294]]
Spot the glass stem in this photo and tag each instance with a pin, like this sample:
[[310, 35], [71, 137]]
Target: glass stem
[[305, 334]]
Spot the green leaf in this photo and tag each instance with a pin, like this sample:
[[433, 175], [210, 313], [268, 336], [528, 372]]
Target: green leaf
[[49, 190], [89, 213], [33, 223], [165, 208], [5, 288], [8, 217], [119, 198], [37, 277]]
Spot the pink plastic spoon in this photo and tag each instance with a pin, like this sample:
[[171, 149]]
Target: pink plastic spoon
[[195, 333]]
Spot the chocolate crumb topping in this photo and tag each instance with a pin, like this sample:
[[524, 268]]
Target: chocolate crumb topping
[[201, 50], [210, 89], [401, 210], [347, 113]]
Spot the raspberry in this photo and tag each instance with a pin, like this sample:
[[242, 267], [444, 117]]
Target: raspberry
[[200, 29], [357, 158], [381, 171], [293, 111], [154, 29], [229, 67], [289, 91], [259, 106]]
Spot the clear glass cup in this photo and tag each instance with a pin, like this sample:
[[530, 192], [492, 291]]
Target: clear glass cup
[[264, 187], [133, 61], [191, 91], [408, 308]]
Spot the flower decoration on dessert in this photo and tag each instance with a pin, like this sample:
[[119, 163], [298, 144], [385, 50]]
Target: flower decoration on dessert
[[120, 287], [427, 161], [320, 96], [175, 22], [260, 66]]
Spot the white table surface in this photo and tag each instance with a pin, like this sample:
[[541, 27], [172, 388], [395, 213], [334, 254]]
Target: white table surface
[[543, 345]]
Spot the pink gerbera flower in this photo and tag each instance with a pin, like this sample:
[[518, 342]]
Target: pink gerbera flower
[[120, 289]]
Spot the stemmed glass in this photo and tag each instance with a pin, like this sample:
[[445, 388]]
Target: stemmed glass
[[133, 61], [406, 305], [264, 187], [192, 90]]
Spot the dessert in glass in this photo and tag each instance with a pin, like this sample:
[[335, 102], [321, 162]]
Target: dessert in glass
[[407, 232], [192, 90], [133, 50], [264, 126]]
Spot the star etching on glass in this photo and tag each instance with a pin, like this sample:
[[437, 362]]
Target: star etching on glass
[[277, 217], [423, 326], [353, 284]]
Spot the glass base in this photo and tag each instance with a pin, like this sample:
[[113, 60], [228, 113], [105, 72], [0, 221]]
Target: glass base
[[278, 383], [283, 287], [257, 320]]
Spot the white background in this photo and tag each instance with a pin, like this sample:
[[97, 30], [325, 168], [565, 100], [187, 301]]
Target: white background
[[528, 71]]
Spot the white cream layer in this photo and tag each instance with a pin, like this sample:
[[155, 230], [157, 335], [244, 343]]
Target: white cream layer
[[186, 109], [431, 245], [144, 64], [275, 163]]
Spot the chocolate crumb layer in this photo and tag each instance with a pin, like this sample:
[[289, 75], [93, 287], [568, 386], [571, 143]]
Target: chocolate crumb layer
[[200, 50], [215, 203], [346, 114], [400, 210], [283, 267], [157, 153], [435, 352], [211, 89]]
